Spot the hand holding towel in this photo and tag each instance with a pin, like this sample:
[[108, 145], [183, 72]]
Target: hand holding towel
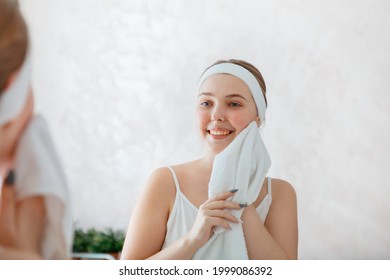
[[242, 165]]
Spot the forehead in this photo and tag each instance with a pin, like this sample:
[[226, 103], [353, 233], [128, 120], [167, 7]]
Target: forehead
[[225, 84]]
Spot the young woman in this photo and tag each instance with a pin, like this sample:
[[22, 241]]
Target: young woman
[[34, 215], [21, 223], [176, 218]]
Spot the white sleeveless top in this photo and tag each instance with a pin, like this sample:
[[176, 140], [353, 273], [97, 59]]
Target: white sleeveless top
[[184, 213]]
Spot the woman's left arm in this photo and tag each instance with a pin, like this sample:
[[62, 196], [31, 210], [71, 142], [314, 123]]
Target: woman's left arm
[[278, 237]]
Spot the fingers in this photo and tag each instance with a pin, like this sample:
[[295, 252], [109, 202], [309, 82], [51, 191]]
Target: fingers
[[215, 209], [221, 214], [10, 180], [220, 202], [220, 222], [213, 213], [7, 212], [223, 196]]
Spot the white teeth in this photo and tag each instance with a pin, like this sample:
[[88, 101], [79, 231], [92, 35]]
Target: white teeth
[[219, 132]]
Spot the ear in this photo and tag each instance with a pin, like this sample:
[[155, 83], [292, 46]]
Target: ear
[[258, 121]]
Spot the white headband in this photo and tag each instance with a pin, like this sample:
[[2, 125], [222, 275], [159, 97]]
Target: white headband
[[13, 99], [246, 76]]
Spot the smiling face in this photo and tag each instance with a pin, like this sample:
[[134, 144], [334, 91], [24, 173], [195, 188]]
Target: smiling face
[[225, 107]]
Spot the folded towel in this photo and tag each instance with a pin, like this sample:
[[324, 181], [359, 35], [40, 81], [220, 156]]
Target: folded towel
[[39, 173], [242, 165]]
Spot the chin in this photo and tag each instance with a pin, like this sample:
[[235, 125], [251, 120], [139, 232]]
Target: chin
[[216, 149]]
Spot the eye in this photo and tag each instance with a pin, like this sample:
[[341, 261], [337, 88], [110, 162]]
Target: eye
[[205, 103], [234, 104]]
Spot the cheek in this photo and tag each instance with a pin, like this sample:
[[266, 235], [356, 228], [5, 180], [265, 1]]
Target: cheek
[[240, 121], [202, 118]]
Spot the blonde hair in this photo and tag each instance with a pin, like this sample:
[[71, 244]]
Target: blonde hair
[[13, 40], [255, 72]]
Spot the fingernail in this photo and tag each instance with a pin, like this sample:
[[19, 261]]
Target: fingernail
[[234, 190], [10, 180], [242, 205]]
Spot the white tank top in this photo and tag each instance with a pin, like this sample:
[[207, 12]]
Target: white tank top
[[184, 213]]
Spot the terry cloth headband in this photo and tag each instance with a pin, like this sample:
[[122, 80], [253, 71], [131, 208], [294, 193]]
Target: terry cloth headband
[[14, 98], [243, 74]]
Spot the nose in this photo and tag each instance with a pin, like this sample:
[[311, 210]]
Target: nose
[[217, 114]]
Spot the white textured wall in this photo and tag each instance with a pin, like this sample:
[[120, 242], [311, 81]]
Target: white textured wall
[[116, 79]]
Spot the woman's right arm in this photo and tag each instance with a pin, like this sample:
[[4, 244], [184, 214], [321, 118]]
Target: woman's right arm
[[146, 232], [147, 228]]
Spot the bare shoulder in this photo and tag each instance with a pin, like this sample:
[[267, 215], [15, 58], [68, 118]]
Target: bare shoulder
[[161, 180], [161, 175], [282, 190], [187, 171], [160, 185]]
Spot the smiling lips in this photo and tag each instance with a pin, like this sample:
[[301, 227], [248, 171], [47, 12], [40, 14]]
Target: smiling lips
[[219, 133]]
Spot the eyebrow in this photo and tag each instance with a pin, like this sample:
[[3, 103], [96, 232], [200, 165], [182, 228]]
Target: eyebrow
[[227, 96]]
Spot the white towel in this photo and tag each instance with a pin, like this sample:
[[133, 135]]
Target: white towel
[[242, 165], [38, 172], [13, 99]]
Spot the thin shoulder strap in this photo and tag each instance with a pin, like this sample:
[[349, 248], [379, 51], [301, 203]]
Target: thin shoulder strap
[[174, 178], [269, 187]]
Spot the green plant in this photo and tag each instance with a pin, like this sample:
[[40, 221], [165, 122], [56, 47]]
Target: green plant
[[95, 241]]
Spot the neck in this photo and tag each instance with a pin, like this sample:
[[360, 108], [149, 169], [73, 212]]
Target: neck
[[207, 162]]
